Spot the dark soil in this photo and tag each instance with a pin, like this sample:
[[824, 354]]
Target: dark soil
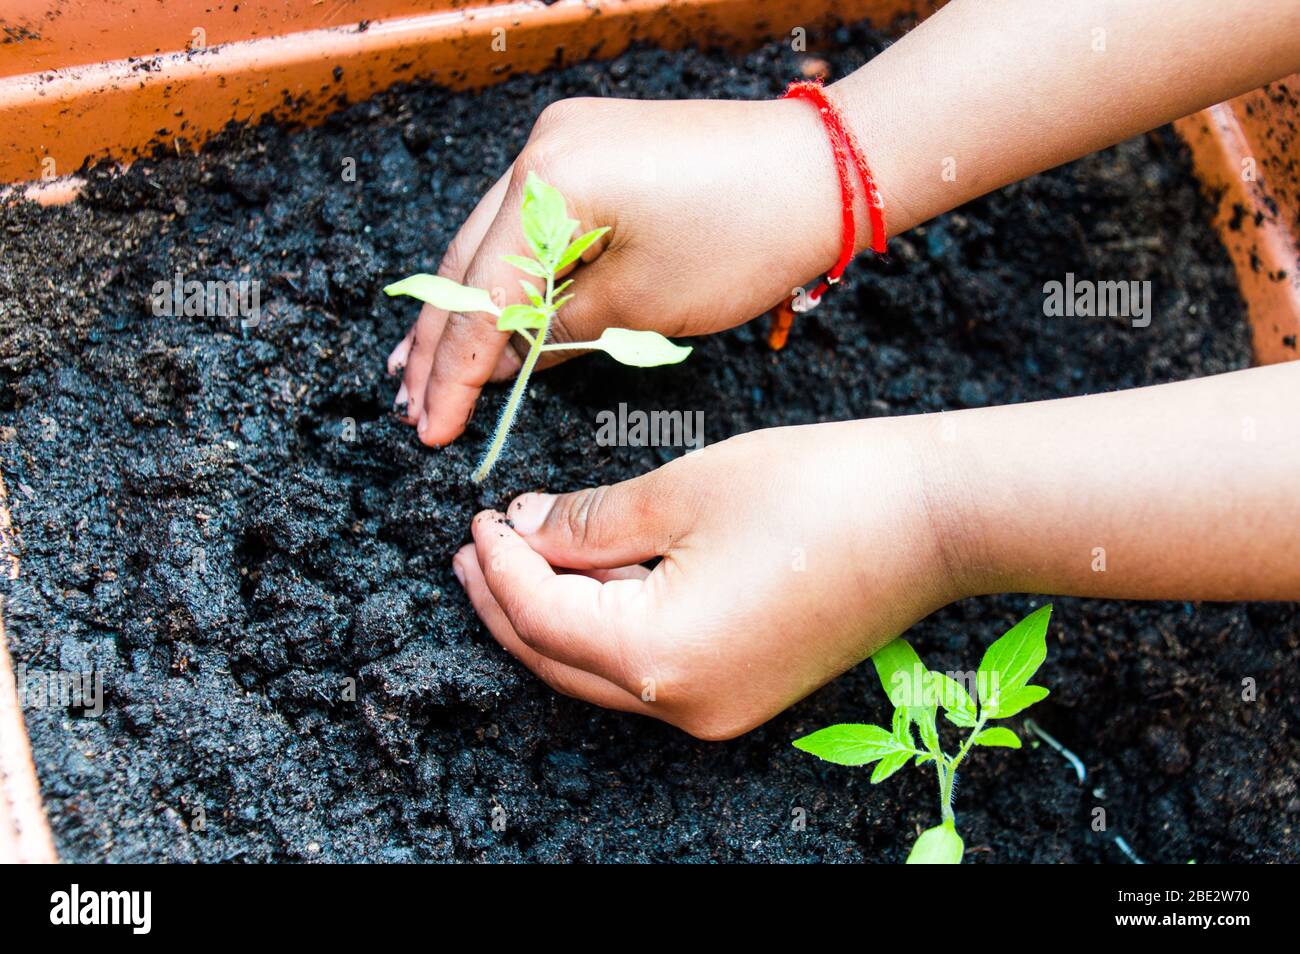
[[132, 442]]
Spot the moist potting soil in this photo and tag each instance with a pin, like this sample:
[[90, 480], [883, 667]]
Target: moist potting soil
[[223, 519]]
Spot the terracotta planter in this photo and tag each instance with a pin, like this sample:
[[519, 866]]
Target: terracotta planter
[[24, 833], [1244, 150], [118, 79]]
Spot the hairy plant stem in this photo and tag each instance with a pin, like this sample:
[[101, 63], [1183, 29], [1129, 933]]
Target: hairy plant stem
[[948, 773], [945, 803], [516, 398]]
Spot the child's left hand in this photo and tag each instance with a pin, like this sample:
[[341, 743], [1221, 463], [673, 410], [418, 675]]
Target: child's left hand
[[789, 555]]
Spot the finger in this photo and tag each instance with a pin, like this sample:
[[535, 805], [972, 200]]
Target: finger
[[608, 526], [428, 328], [424, 336], [397, 359], [563, 679], [570, 618], [470, 346]]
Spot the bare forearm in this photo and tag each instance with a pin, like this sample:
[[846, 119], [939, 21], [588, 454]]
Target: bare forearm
[[987, 92], [1181, 491]]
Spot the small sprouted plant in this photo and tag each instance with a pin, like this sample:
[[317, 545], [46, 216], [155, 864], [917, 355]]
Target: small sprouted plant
[[916, 694], [548, 230]]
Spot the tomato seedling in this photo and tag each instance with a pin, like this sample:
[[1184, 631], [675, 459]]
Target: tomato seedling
[[916, 693], [548, 230]]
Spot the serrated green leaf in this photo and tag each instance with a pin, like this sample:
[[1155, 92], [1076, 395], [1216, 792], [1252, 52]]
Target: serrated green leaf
[[514, 317], [640, 349], [907, 683], [923, 758], [1013, 659], [444, 293], [849, 743], [531, 266], [958, 706], [902, 728], [545, 221], [562, 286], [928, 731], [1014, 703], [532, 291], [940, 845], [888, 765], [563, 299], [903, 676], [578, 246], [998, 736]]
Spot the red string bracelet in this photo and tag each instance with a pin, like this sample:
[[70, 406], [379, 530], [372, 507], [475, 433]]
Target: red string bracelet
[[846, 149]]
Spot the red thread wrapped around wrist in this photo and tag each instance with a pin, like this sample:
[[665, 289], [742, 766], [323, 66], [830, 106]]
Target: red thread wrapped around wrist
[[848, 155]]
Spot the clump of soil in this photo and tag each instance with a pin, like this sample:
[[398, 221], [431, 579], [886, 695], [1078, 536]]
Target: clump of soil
[[196, 523]]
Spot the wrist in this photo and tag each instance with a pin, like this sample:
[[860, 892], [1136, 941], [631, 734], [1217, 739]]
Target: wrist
[[810, 207], [905, 491], [956, 510], [867, 100], [860, 206]]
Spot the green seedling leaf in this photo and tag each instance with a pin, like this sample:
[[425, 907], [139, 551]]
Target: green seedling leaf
[[579, 245], [640, 349], [531, 266], [888, 765], [851, 743], [904, 677], [1013, 659], [545, 221], [928, 731], [1013, 703], [902, 728], [940, 845], [906, 681], [916, 694], [532, 292], [444, 293], [998, 736], [515, 317], [958, 706]]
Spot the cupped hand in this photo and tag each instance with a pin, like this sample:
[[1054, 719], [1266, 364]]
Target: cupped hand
[[717, 210], [788, 556]]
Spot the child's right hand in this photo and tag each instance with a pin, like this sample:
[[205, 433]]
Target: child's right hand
[[719, 209], [716, 209]]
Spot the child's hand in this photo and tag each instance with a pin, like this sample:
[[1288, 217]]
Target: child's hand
[[717, 211], [789, 555]]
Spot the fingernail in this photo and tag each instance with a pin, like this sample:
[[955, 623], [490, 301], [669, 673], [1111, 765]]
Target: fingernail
[[401, 400], [457, 571], [528, 513]]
